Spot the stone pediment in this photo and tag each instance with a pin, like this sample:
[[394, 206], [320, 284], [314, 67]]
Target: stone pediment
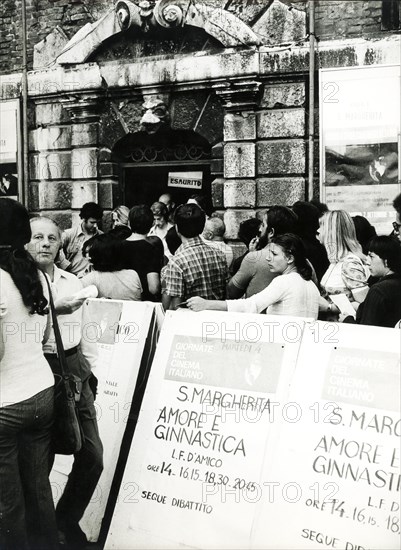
[[217, 22], [45, 51], [179, 27]]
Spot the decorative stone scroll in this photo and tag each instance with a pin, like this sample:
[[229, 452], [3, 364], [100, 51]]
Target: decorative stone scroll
[[239, 95], [84, 107]]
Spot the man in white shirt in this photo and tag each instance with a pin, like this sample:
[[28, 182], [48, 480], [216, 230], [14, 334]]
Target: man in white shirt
[[88, 463]]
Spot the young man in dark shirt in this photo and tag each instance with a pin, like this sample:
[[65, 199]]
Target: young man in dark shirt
[[139, 254]]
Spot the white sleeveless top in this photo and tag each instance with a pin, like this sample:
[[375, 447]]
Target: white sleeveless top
[[24, 371]]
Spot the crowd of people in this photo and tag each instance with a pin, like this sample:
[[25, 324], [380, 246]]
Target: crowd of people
[[293, 261]]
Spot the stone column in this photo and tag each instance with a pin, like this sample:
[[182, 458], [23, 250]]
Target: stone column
[[93, 175], [281, 144], [238, 187], [50, 161], [65, 156]]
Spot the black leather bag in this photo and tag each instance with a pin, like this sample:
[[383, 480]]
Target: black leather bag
[[66, 431]]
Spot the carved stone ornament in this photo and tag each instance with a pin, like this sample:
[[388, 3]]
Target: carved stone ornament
[[84, 107], [155, 115], [219, 23], [169, 14]]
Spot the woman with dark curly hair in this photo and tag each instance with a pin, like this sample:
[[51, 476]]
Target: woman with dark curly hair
[[27, 517], [292, 292]]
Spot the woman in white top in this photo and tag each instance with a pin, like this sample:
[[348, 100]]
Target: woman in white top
[[110, 279], [27, 517], [291, 293]]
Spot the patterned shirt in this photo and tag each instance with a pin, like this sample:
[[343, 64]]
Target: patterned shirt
[[196, 269], [346, 276], [72, 259]]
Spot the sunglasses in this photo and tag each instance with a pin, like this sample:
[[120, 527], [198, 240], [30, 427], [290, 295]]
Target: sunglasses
[[396, 227]]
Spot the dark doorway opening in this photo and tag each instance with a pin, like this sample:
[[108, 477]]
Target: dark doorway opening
[[170, 161], [145, 184]]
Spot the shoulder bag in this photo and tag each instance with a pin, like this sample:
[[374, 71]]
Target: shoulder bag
[[66, 431]]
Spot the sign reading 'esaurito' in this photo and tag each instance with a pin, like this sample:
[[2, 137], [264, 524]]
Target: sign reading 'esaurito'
[[189, 180]]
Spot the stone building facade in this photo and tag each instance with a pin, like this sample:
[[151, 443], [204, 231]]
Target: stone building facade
[[228, 80]]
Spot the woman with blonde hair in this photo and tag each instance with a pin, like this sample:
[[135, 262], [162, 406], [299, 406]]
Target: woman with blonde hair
[[120, 215], [347, 273], [120, 223]]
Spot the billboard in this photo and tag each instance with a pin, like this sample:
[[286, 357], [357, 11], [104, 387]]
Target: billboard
[[360, 141]]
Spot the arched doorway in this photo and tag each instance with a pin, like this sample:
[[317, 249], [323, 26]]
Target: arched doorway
[[170, 161]]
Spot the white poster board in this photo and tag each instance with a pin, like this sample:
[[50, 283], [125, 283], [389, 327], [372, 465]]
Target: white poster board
[[9, 154], [8, 131], [114, 335], [192, 479], [336, 471], [360, 141]]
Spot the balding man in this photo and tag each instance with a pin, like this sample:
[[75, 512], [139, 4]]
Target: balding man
[[167, 199], [213, 235]]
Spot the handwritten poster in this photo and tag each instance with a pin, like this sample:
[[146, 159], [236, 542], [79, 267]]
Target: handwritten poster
[[114, 337], [334, 480], [200, 442]]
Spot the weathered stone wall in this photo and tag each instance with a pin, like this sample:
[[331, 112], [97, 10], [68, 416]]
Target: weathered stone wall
[[338, 19], [42, 17]]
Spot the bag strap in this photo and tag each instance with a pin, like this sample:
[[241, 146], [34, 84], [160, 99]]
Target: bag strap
[[57, 335]]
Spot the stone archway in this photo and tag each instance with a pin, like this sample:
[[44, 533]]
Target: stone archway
[[222, 25]]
